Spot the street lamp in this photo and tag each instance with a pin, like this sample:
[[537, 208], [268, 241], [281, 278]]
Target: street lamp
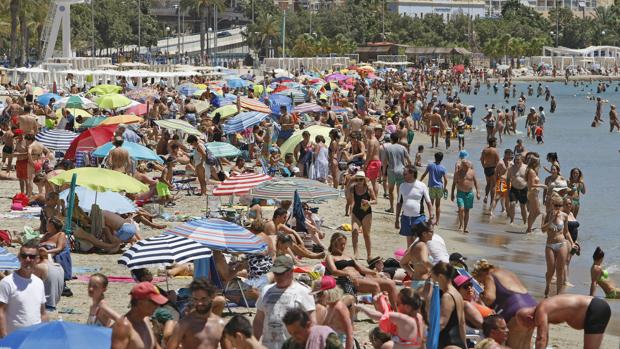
[[178, 9], [167, 43]]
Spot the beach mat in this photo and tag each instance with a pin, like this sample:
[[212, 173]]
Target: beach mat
[[120, 279]]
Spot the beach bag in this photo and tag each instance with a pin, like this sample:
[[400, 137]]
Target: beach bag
[[20, 198], [5, 238]]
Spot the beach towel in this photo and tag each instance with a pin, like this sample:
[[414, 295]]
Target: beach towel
[[121, 279]]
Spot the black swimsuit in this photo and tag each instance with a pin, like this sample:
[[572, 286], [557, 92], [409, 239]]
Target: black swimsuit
[[343, 281], [451, 334], [357, 210]]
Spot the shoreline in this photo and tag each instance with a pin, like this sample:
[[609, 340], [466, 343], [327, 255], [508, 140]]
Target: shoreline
[[585, 78]]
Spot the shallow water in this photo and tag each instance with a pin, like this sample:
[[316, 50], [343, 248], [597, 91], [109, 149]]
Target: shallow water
[[593, 150]]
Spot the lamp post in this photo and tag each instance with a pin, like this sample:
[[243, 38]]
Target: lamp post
[[383, 20], [178, 9], [167, 44]]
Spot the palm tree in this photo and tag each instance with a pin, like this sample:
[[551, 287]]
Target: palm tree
[[202, 8], [14, 9], [263, 32], [304, 46]]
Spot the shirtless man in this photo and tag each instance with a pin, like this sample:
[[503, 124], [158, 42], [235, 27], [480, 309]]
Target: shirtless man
[[489, 160], [613, 119], [277, 225], [189, 112], [201, 328], [531, 122], [501, 189], [287, 124], [356, 125], [119, 228], [599, 111], [437, 127], [465, 183], [586, 313], [118, 158], [28, 122], [517, 182], [134, 330], [372, 166]]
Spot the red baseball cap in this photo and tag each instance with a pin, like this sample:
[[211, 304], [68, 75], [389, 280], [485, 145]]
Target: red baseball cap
[[146, 290]]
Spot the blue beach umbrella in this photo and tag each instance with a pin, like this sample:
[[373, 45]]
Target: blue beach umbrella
[[222, 149], [276, 101], [220, 235], [243, 120], [56, 139], [237, 83], [188, 89], [8, 261], [107, 200], [136, 151], [432, 339], [45, 98], [59, 334]]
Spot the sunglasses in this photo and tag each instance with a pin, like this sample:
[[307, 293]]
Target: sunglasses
[[558, 206], [28, 256], [467, 285]]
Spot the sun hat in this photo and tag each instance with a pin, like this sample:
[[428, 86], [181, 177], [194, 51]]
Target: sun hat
[[463, 154], [360, 173], [461, 280]]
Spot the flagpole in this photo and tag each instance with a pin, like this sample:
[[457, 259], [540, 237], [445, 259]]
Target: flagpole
[[284, 34]]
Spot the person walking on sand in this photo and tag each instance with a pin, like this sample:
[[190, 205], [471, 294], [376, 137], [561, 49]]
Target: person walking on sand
[[489, 160], [411, 198], [373, 159], [586, 313], [516, 180], [465, 183], [437, 183]]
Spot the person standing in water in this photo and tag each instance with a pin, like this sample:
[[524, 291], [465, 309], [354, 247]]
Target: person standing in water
[[489, 160], [465, 182], [600, 277], [613, 118]]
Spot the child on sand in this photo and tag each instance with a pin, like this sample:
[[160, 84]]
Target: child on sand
[[164, 183], [418, 156]]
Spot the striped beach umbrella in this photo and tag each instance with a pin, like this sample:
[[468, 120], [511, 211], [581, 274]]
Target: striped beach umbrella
[[218, 234], [162, 251], [223, 150], [243, 121], [8, 261], [253, 104], [181, 125], [308, 108], [240, 184], [284, 189], [56, 139]]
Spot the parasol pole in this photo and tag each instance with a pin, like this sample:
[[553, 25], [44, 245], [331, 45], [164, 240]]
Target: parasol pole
[[70, 205]]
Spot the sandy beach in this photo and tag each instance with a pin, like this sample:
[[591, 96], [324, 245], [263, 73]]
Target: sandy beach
[[385, 240]]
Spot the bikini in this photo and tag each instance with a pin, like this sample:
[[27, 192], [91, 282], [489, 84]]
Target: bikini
[[573, 229], [508, 302], [414, 343], [344, 281], [357, 211], [451, 334], [94, 320], [556, 246], [613, 294]]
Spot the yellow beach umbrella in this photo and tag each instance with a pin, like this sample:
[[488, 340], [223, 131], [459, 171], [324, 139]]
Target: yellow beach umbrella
[[76, 112], [101, 179], [225, 111], [122, 119], [289, 145]]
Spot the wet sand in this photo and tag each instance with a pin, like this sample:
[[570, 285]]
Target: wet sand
[[512, 250]]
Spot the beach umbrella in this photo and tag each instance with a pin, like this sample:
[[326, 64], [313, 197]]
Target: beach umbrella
[[93, 121], [237, 83], [101, 179], [105, 89], [225, 111], [181, 125], [284, 189], [75, 112], [336, 77], [297, 95], [138, 109], [136, 151], [308, 108], [162, 251], [201, 106], [298, 213], [243, 121], [59, 334], [366, 68], [187, 89], [90, 139], [253, 104], [113, 101], [122, 119], [276, 101], [45, 98], [8, 261], [222, 149], [289, 145], [107, 200], [240, 184], [458, 69], [56, 139], [142, 93], [434, 326], [220, 235], [76, 102]]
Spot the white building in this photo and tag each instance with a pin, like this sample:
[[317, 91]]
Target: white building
[[445, 8]]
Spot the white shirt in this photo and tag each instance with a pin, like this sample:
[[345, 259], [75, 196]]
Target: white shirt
[[412, 196], [275, 302], [23, 298], [437, 249]]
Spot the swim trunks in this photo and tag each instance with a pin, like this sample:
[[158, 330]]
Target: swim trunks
[[434, 130], [408, 224], [465, 199], [417, 116], [7, 149], [373, 169], [435, 193], [489, 171], [162, 189], [21, 169], [126, 232], [395, 179], [285, 134], [520, 195], [597, 317], [501, 188]]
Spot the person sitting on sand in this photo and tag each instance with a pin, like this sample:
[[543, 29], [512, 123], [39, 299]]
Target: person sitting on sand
[[119, 229], [586, 313], [56, 243], [277, 225], [379, 339], [332, 310], [475, 312], [600, 277], [416, 260], [505, 292]]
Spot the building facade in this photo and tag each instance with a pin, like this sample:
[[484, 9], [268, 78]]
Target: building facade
[[445, 8]]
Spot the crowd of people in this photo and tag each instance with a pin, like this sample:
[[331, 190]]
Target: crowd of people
[[310, 285]]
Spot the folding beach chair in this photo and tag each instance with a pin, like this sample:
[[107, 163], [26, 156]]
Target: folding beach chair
[[205, 267]]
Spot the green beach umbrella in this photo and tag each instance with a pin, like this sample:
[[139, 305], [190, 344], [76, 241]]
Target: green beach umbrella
[[181, 125], [223, 150], [93, 121], [225, 111], [105, 89], [289, 145], [74, 102], [113, 101]]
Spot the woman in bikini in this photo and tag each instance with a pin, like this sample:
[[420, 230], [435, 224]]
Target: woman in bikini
[[407, 324], [452, 318], [504, 292], [360, 200], [556, 250], [600, 277], [352, 276], [578, 187], [534, 186], [100, 314]]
